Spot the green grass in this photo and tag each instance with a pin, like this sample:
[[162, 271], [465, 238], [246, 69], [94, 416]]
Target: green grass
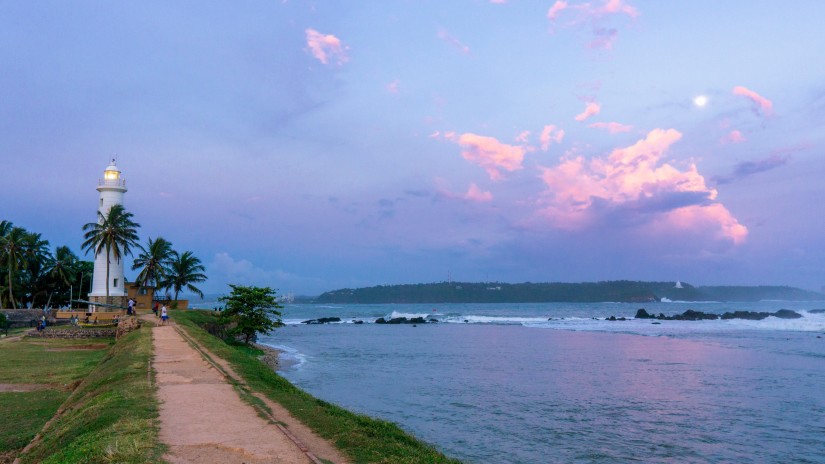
[[24, 414], [362, 438], [111, 416], [49, 361]]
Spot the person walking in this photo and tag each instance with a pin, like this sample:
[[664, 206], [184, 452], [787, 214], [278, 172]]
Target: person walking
[[164, 315], [131, 307]]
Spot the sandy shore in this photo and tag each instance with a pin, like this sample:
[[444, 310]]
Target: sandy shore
[[271, 356]]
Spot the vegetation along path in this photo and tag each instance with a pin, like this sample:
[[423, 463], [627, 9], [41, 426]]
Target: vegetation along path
[[203, 418]]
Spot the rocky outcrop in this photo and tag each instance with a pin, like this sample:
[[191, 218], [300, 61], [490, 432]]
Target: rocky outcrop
[[322, 320], [691, 315], [126, 325], [402, 320]]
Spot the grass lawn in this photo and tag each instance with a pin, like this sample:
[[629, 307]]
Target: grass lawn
[[109, 410], [362, 438]]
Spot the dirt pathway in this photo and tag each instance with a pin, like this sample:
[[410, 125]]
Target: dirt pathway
[[202, 418]]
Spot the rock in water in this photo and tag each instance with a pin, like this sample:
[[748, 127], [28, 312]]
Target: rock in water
[[787, 314]]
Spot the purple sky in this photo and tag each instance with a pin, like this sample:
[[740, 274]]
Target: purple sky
[[316, 145]]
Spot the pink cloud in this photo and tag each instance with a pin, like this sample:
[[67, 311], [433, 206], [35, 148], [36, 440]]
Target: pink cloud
[[603, 38], [326, 47], [523, 137], [762, 105], [444, 35], [590, 109], [557, 8], [734, 136], [633, 186], [617, 6], [489, 153], [550, 133], [392, 87], [476, 194], [612, 127]]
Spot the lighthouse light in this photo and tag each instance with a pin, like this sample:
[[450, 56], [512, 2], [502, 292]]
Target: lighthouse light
[[111, 175]]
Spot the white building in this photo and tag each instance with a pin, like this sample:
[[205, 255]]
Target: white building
[[111, 187]]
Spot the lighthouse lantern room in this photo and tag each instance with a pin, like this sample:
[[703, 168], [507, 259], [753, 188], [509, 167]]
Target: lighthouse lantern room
[[111, 187]]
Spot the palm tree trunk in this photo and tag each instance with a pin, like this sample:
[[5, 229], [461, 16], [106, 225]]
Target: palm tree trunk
[[11, 292], [107, 275]]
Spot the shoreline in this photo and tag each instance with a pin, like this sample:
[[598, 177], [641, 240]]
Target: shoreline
[[271, 356]]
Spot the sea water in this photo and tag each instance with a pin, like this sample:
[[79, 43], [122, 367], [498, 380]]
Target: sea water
[[535, 383]]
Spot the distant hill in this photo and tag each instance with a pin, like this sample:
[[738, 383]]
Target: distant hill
[[587, 292]]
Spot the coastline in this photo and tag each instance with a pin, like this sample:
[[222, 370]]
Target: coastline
[[271, 356]]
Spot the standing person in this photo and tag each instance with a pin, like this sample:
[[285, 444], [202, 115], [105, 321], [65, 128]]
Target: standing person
[[155, 309], [131, 309], [164, 316]]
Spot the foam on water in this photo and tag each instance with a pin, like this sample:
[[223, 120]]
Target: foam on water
[[289, 357]]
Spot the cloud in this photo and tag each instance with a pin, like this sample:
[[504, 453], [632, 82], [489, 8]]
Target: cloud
[[489, 153], [550, 133], [392, 87], [734, 136], [631, 187], [558, 7], [476, 194], [762, 106], [326, 47], [593, 16], [444, 35], [523, 137], [590, 109], [749, 168], [603, 38], [612, 127]]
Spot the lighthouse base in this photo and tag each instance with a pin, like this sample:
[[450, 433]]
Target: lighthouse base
[[118, 300]]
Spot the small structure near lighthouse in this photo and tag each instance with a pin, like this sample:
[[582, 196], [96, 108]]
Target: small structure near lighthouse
[[111, 187]]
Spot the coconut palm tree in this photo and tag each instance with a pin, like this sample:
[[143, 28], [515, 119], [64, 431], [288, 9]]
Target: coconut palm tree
[[13, 251], [115, 233], [184, 270], [37, 256], [61, 271], [154, 262]]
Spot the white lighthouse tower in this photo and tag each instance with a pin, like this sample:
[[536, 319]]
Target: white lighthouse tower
[[111, 187]]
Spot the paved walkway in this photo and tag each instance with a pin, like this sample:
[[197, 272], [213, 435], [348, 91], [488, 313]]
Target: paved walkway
[[202, 418]]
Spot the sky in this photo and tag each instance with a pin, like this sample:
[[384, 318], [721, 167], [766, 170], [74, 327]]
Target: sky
[[316, 145]]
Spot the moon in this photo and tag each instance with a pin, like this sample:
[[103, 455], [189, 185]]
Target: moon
[[700, 100]]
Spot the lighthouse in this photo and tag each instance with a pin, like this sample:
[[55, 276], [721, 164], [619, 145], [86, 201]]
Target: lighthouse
[[111, 187]]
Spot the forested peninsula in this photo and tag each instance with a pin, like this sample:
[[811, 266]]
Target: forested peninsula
[[558, 292]]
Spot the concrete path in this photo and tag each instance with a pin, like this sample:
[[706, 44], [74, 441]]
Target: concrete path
[[202, 418]]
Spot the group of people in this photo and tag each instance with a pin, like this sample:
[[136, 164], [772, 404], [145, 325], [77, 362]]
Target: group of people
[[164, 313]]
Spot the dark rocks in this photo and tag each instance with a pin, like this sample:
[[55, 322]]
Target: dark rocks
[[747, 315], [787, 314], [614, 318], [642, 314], [322, 320], [817, 311], [404, 320], [692, 315]]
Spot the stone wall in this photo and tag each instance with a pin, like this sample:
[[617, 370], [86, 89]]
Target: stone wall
[[23, 317], [74, 333], [126, 325]]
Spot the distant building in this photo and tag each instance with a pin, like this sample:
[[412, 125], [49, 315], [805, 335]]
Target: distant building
[[678, 285]]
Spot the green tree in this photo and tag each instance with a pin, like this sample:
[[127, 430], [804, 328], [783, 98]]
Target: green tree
[[250, 310], [35, 280], [13, 251], [115, 233], [184, 270], [154, 262]]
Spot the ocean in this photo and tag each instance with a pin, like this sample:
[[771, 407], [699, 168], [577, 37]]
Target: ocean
[[545, 383]]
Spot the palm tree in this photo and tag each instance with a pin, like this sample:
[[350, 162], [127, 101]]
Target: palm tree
[[154, 262], [184, 270], [13, 248], [115, 233], [37, 256], [61, 271]]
